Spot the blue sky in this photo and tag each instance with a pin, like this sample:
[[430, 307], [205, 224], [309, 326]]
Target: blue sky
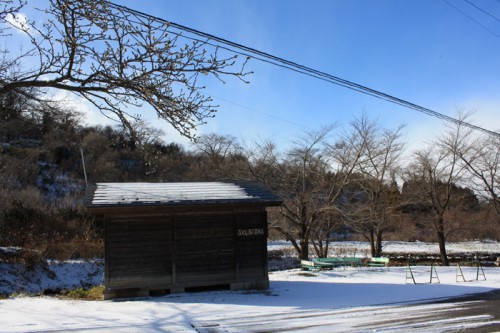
[[440, 54]]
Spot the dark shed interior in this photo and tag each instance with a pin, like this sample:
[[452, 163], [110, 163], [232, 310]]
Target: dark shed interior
[[172, 237]]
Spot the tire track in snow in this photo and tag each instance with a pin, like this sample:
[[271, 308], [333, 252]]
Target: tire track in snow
[[470, 316]]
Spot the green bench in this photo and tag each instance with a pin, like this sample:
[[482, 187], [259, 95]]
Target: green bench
[[338, 262], [378, 262], [315, 265], [318, 264]]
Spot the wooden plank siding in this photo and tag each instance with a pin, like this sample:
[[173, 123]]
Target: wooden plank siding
[[205, 248], [138, 252], [252, 252], [174, 251]]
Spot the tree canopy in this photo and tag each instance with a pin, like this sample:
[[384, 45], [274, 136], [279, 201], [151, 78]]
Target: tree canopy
[[118, 60]]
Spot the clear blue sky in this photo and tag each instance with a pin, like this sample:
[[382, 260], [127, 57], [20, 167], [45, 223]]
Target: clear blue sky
[[440, 54]]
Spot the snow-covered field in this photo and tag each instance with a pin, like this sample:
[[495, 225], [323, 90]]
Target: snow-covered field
[[361, 249], [341, 300]]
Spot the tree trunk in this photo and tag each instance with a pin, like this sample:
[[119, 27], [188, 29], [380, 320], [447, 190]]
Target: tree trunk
[[327, 245], [371, 237], [319, 248], [304, 249], [441, 240], [378, 243], [304, 234]]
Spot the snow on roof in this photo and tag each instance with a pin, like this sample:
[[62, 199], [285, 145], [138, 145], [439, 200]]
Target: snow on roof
[[112, 194]]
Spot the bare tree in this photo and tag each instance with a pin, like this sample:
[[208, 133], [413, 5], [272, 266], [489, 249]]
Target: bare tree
[[116, 59], [343, 156], [482, 159], [8, 8], [222, 156], [376, 196], [296, 175], [438, 170], [217, 147], [145, 139], [310, 177]]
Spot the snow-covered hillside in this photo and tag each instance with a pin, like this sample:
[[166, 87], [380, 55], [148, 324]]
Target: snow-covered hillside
[[57, 276]]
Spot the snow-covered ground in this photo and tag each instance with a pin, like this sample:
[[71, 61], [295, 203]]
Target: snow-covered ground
[[361, 249], [341, 300], [14, 278], [295, 300]]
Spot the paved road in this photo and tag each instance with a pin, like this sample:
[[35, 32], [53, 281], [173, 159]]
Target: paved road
[[476, 313]]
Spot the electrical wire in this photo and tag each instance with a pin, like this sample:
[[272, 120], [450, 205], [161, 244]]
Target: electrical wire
[[472, 19], [290, 65], [481, 9]]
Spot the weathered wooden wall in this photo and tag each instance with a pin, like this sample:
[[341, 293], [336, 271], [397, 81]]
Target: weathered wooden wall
[[172, 250], [138, 252]]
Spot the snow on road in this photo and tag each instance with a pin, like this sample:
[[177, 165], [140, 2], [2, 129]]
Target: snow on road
[[342, 300]]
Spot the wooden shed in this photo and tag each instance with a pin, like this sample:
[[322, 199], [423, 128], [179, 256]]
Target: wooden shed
[[172, 237]]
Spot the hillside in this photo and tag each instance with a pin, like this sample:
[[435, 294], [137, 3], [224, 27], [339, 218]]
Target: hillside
[[42, 182]]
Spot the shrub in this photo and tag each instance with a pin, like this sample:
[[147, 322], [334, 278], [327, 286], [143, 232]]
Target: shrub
[[33, 259], [74, 250], [95, 293]]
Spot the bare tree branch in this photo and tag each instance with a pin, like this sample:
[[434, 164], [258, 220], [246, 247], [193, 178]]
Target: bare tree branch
[[117, 60]]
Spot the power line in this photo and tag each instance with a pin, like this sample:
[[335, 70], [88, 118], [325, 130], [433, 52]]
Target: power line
[[484, 11], [262, 112], [472, 19], [281, 62]]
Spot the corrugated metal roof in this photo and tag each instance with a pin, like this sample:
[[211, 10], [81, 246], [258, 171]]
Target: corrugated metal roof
[[128, 194]]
